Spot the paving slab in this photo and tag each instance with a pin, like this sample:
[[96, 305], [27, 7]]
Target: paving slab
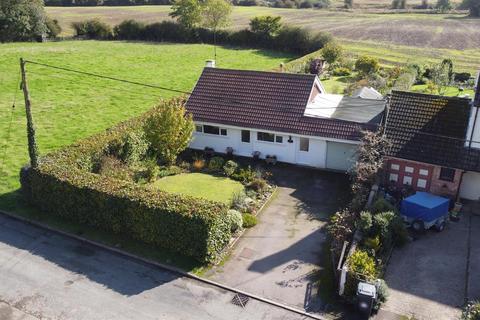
[[44, 275]]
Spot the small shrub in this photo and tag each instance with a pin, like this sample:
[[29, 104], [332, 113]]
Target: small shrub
[[382, 225], [382, 293], [258, 185], [230, 168], [340, 228], [216, 163], [169, 171], [372, 243], [367, 65], [130, 30], [364, 222], [184, 165], [238, 200], [382, 205], [152, 171], [363, 264], [199, 164], [236, 220], [244, 175], [249, 220], [53, 27], [134, 148], [400, 232], [341, 72], [471, 311]]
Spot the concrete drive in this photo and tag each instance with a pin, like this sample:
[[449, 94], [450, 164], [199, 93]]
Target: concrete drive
[[432, 277], [281, 256], [47, 276]]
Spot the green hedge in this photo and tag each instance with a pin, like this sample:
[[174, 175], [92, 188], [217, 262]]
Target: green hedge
[[63, 185]]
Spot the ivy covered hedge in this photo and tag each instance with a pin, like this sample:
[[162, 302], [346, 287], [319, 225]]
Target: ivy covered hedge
[[63, 184]]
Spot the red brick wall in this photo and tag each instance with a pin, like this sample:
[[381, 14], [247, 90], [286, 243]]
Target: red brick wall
[[421, 176]]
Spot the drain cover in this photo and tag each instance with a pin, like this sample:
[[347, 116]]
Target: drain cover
[[240, 300]]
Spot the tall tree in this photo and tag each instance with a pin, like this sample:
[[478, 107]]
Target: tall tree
[[22, 20], [169, 129], [187, 12], [215, 15]]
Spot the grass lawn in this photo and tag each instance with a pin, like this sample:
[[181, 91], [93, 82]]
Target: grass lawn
[[201, 185], [67, 107]]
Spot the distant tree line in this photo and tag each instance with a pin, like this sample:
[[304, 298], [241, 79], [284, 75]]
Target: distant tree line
[[70, 3]]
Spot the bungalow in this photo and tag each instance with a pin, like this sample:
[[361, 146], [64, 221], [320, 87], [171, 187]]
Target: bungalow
[[435, 144], [289, 116]]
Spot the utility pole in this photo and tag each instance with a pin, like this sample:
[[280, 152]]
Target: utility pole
[[32, 144]]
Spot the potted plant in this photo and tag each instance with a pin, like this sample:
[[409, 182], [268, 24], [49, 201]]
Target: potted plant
[[256, 155], [454, 216], [271, 159], [209, 152]]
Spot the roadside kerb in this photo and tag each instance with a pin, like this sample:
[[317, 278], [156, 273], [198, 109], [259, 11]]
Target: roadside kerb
[[161, 265]]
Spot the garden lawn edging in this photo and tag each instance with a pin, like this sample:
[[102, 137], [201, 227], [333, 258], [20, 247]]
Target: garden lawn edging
[[63, 184]]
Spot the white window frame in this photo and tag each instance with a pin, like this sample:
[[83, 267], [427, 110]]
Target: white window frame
[[409, 169], [393, 177], [423, 182], [395, 166], [212, 134], [407, 180], [274, 138], [424, 172]]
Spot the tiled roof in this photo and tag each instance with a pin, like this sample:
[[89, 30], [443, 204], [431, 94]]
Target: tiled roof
[[264, 100], [430, 129]]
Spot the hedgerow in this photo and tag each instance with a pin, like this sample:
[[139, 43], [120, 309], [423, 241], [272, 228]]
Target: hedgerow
[[63, 184]]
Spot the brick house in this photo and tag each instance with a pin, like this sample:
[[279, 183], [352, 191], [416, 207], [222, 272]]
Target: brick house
[[431, 144]]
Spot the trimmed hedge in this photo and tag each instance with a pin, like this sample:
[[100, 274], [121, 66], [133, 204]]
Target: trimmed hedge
[[63, 185]]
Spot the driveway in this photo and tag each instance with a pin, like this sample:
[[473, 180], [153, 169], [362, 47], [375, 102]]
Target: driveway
[[432, 277], [47, 276], [280, 257]]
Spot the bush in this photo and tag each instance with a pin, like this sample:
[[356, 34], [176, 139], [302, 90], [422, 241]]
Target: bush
[[364, 222], [471, 311], [381, 205], [92, 29], [53, 28], [244, 175], [152, 171], [114, 168], [238, 200], [382, 225], [216, 163], [22, 20], [249, 220], [134, 147], [258, 185], [199, 164], [236, 220], [462, 76], [169, 171], [332, 51], [367, 65], [230, 167], [59, 185], [382, 293], [362, 264], [130, 30], [341, 72], [372, 243], [340, 228]]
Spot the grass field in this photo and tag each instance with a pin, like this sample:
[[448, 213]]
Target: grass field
[[67, 107], [395, 38], [201, 185]]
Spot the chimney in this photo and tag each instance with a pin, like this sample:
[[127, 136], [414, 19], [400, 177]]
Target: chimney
[[210, 64]]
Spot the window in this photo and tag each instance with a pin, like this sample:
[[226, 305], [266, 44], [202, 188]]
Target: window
[[423, 172], [199, 128], [246, 136], [393, 177], [263, 136], [278, 139], [304, 144], [223, 132], [409, 169], [407, 180], [211, 130], [422, 183], [395, 166], [447, 174]]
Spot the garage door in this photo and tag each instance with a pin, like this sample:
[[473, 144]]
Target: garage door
[[470, 187], [340, 156]]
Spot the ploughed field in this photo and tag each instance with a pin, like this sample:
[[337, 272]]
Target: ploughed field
[[67, 107]]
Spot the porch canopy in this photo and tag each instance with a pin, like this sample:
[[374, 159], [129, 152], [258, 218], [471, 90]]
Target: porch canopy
[[424, 206]]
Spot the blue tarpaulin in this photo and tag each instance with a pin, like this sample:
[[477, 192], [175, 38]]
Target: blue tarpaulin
[[424, 206]]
